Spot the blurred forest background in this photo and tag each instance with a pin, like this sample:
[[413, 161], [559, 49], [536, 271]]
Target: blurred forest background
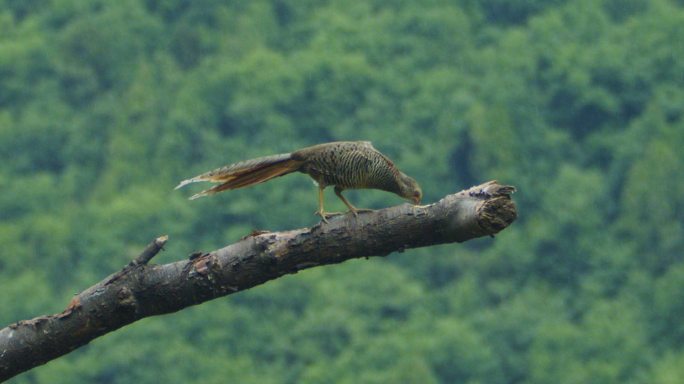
[[106, 105]]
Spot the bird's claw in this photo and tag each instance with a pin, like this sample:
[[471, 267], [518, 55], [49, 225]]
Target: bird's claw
[[325, 215], [356, 211]]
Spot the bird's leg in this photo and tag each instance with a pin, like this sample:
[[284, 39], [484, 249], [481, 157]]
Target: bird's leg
[[324, 215], [320, 211], [352, 209]]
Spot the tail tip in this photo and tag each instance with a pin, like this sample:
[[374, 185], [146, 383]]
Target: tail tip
[[184, 183], [198, 195]]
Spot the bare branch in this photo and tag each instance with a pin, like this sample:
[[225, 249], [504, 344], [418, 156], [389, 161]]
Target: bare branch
[[141, 290]]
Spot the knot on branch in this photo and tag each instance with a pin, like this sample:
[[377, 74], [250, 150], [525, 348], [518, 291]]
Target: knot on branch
[[126, 298]]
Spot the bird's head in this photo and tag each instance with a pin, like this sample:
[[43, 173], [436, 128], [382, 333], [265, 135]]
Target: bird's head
[[409, 189]]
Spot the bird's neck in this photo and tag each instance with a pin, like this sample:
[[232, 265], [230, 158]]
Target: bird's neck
[[391, 184]]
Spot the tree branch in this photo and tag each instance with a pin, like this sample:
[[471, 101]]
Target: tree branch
[[141, 290]]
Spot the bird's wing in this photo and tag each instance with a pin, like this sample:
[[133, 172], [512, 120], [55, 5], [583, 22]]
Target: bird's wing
[[382, 155]]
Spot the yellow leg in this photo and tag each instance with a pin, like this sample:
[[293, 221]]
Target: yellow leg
[[352, 209], [324, 215], [320, 212]]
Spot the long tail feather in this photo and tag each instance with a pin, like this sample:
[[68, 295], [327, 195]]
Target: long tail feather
[[186, 182], [245, 173]]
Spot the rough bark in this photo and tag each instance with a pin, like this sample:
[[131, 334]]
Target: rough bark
[[140, 290]]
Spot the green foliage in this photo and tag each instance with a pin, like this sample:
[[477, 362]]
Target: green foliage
[[607, 346], [106, 105]]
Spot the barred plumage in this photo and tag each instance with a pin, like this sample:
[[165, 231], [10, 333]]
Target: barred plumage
[[343, 164]]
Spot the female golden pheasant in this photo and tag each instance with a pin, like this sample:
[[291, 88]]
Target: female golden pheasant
[[343, 164]]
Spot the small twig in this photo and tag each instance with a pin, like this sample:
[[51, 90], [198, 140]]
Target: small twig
[[150, 251], [143, 258]]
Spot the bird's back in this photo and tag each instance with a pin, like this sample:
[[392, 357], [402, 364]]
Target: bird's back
[[348, 164]]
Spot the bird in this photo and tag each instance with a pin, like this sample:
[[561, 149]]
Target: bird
[[341, 164]]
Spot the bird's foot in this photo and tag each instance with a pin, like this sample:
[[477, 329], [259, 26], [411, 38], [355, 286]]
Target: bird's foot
[[325, 215], [356, 211]]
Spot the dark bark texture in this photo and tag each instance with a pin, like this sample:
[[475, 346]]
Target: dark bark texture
[[140, 290]]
